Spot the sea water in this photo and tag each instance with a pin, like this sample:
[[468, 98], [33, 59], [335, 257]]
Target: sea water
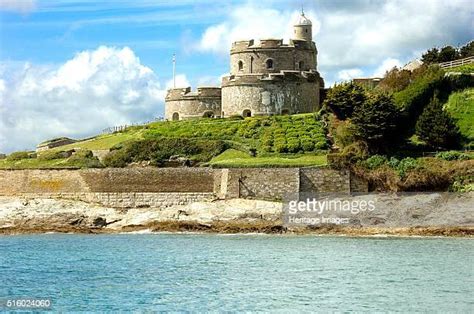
[[192, 272]]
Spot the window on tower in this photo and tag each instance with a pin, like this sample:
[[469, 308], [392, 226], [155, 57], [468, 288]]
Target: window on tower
[[269, 64], [241, 65]]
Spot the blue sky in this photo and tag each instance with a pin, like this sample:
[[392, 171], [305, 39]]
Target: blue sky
[[75, 67]]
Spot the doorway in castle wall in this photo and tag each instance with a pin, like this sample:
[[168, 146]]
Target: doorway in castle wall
[[208, 114], [246, 113], [175, 116]]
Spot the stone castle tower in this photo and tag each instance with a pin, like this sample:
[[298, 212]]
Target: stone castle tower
[[266, 78]]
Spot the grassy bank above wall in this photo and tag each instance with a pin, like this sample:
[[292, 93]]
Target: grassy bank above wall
[[232, 158]]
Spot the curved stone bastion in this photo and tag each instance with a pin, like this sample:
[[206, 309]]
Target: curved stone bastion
[[286, 92], [182, 103]]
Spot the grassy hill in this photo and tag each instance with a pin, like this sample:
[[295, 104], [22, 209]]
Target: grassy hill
[[297, 140], [460, 106]]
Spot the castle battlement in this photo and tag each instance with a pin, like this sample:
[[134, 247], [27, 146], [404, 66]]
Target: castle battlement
[[270, 43], [188, 93], [285, 75]]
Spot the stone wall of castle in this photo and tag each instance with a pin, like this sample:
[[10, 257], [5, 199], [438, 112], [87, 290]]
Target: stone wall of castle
[[182, 103], [289, 84], [248, 58], [288, 94]]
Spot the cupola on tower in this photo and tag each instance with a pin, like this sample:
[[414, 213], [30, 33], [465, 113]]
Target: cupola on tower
[[302, 30]]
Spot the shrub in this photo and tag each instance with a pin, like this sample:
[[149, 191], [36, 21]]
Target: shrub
[[393, 162], [375, 161], [84, 159], [158, 150], [343, 132], [405, 165], [395, 80], [53, 155], [293, 145], [18, 156], [436, 127], [279, 145], [344, 98], [452, 155], [307, 144], [83, 153], [321, 145], [117, 158], [376, 121], [350, 155]]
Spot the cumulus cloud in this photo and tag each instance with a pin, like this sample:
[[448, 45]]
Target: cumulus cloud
[[352, 34], [349, 74], [94, 90], [387, 65], [21, 6], [181, 81], [250, 21]]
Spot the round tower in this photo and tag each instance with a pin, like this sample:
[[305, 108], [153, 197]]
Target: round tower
[[303, 29]]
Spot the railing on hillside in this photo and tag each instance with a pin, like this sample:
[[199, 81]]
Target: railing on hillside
[[121, 128], [455, 63]]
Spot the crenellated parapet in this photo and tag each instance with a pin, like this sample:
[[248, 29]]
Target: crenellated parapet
[[282, 76], [184, 103], [263, 44], [203, 92]]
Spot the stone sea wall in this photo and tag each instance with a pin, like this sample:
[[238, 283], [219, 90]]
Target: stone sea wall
[[138, 187], [127, 199]]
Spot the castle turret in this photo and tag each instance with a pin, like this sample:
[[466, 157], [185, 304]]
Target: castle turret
[[303, 29]]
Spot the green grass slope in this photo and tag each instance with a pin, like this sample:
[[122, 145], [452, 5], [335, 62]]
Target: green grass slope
[[277, 134], [466, 68], [460, 106], [232, 158], [297, 140]]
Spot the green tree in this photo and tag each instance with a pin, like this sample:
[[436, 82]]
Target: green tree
[[376, 122], [467, 50], [447, 53], [436, 127], [342, 99], [395, 80], [431, 56]]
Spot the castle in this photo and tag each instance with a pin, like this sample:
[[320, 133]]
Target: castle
[[266, 78]]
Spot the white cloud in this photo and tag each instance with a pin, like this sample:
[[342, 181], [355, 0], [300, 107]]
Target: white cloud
[[352, 34], [387, 65], [209, 80], [21, 6], [250, 21], [94, 90], [181, 81], [349, 74]]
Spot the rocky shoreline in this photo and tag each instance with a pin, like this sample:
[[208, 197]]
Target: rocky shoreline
[[429, 215]]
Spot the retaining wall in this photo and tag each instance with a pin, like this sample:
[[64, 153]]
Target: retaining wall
[[157, 187]]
